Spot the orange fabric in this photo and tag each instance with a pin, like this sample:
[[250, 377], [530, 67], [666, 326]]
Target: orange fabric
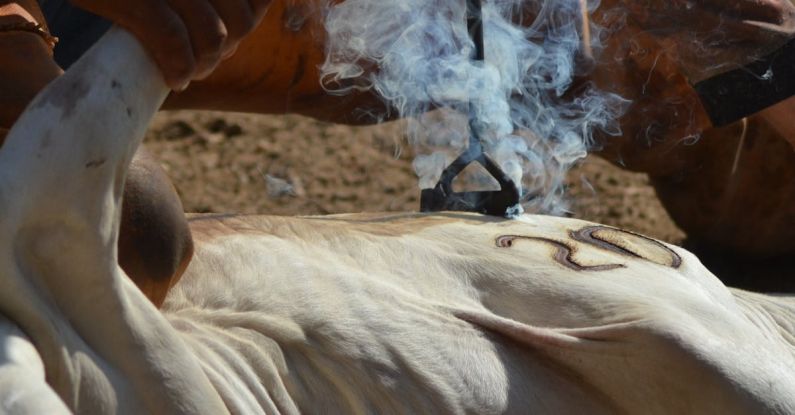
[[735, 193], [27, 64], [15, 10], [780, 118]]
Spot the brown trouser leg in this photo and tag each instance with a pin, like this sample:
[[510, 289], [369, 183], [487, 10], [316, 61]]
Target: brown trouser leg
[[732, 190], [155, 243], [735, 198]]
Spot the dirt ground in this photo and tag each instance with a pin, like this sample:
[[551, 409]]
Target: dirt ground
[[290, 165]]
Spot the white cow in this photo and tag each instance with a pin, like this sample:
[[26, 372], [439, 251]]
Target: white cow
[[411, 313]]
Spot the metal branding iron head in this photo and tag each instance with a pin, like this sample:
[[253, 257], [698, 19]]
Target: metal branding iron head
[[442, 197]]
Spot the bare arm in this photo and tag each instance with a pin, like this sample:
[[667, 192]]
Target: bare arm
[[186, 38], [656, 49], [276, 67], [26, 64], [276, 71]]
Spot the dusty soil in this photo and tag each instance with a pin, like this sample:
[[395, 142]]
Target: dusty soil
[[290, 165]]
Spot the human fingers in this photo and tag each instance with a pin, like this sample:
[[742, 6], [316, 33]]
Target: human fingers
[[207, 32], [159, 29], [666, 15], [260, 7], [241, 17]]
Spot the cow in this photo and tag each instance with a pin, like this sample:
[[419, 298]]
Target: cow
[[729, 188], [361, 313]]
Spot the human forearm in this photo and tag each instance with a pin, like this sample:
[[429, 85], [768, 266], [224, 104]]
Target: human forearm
[[27, 64], [276, 71], [186, 38]]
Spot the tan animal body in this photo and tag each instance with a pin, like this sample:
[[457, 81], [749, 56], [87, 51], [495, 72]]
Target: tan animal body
[[349, 314]]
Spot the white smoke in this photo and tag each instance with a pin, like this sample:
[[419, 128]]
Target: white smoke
[[417, 54]]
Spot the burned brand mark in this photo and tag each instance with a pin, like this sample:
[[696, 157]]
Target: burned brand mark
[[613, 240], [564, 253], [628, 244]]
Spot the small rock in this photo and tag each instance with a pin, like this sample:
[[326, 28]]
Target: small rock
[[176, 130], [278, 188], [221, 126]]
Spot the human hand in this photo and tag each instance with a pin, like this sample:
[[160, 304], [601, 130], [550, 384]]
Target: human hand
[[708, 37], [665, 16], [186, 38], [653, 50]]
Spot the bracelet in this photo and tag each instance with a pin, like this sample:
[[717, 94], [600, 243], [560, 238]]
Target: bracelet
[[31, 27]]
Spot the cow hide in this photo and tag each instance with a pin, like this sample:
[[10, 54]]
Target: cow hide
[[446, 313]]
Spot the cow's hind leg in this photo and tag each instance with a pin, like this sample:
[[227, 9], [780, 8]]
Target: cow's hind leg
[[62, 177], [155, 243]]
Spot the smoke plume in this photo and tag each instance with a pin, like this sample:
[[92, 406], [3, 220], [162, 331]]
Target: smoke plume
[[417, 54]]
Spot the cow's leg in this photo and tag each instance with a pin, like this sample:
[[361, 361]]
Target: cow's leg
[[155, 244], [63, 166], [23, 389]]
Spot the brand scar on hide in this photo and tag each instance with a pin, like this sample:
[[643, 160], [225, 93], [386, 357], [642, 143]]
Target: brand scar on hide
[[616, 241], [564, 254]]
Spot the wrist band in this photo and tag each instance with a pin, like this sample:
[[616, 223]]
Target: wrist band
[[30, 27]]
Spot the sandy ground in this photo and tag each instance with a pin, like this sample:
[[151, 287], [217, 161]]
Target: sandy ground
[[289, 165]]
